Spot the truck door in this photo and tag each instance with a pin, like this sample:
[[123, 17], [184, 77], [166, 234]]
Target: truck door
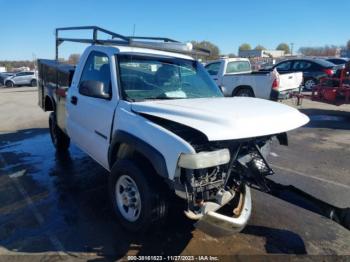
[[26, 78], [19, 78], [90, 118], [213, 70]]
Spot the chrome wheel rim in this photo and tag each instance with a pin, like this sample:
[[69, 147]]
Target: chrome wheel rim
[[309, 84], [128, 198]]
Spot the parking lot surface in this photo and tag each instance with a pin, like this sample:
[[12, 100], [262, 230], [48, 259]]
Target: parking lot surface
[[54, 205]]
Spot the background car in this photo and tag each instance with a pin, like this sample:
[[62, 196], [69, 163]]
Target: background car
[[21, 78], [313, 69], [338, 60], [3, 76]]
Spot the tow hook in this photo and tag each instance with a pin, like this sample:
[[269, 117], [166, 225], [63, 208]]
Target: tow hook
[[239, 207]]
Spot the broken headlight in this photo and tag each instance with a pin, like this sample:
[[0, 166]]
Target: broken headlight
[[204, 159]]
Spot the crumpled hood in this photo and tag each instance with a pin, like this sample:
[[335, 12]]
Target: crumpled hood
[[226, 118]]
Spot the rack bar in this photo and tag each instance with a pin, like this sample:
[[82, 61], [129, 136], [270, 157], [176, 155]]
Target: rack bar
[[123, 40], [154, 38]]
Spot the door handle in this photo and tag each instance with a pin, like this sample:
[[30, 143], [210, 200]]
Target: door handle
[[74, 100]]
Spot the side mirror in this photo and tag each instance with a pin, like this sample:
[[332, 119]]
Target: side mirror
[[94, 89]]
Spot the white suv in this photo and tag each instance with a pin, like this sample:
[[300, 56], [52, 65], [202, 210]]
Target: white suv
[[21, 78]]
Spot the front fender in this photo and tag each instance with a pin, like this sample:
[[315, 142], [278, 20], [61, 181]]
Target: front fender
[[153, 155], [148, 136]]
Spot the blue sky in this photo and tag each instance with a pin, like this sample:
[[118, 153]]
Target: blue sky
[[27, 26]]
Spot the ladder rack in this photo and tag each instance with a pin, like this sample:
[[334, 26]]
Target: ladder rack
[[156, 43]]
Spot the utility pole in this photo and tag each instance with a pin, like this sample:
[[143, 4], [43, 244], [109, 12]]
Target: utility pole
[[34, 61], [291, 48]]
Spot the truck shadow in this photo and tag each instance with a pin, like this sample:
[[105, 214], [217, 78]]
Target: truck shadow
[[278, 241]]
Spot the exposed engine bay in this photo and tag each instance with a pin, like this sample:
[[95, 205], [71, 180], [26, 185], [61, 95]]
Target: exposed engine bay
[[220, 184]]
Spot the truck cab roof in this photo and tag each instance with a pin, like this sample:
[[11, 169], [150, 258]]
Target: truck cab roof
[[115, 49]]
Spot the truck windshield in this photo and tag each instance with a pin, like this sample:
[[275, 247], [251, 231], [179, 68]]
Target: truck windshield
[[148, 78]]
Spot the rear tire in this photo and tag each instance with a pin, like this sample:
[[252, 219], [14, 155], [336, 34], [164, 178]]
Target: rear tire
[[9, 84], [132, 190], [246, 92], [33, 82], [59, 139]]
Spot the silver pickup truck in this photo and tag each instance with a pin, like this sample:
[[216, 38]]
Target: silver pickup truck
[[235, 77]]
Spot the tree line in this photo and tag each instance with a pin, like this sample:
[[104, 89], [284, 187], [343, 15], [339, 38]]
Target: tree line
[[327, 50], [282, 46], [10, 65], [215, 53], [73, 59]]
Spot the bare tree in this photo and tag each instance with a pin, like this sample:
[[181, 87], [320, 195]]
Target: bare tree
[[260, 47], [73, 59], [214, 50], [244, 46], [232, 55], [319, 51], [10, 65]]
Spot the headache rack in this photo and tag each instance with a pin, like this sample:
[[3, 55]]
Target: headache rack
[[157, 43]]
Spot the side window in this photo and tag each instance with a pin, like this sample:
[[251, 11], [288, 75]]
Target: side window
[[97, 68], [285, 66], [316, 67], [213, 68], [301, 65], [237, 67]]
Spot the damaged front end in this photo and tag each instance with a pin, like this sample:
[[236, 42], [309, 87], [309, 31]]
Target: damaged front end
[[220, 175]]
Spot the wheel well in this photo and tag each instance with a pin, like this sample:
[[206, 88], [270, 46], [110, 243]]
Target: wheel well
[[126, 151], [126, 145], [238, 88], [49, 105]]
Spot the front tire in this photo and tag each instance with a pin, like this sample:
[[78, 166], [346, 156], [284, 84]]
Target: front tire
[[9, 84], [137, 200], [59, 139]]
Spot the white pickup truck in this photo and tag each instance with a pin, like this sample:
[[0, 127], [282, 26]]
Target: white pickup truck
[[235, 77], [151, 115]]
